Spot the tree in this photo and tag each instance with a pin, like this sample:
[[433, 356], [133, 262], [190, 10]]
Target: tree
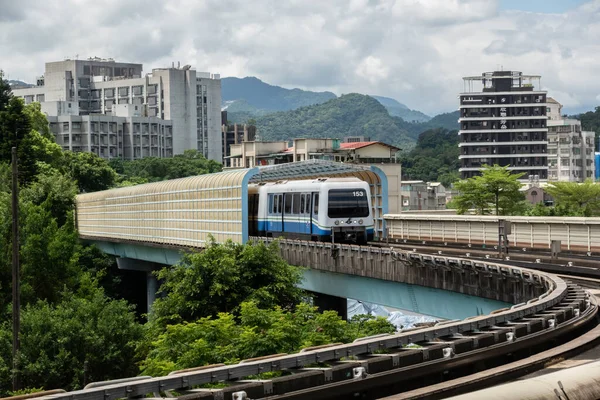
[[5, 92], [91, 172], [14, 127], [579, 197], [257, 332], [496, 189], [221, 277], [57, 341]]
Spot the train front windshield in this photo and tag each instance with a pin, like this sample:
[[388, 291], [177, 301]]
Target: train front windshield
[[344, 203]]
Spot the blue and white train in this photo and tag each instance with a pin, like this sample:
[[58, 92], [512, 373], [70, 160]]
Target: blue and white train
[[326, 209]]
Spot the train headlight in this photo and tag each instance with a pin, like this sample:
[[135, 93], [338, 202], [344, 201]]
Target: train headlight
[[337, 222], [360, 221]]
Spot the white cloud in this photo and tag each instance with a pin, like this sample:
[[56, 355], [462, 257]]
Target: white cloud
[[413, 50], [372, 69]]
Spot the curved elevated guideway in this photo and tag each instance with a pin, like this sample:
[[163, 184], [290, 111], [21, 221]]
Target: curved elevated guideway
[[151, 224], [554, 309]]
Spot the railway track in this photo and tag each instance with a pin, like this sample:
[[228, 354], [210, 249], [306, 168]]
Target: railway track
[[573, 266], [371, 367]]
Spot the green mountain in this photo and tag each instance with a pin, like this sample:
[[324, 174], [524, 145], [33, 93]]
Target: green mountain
[[397, 109], [349, 115], [249, 97], [251, 94]]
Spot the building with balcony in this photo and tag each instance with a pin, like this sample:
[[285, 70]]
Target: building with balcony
[[570, 150], [188, 102], [248, 154], [503, 121]]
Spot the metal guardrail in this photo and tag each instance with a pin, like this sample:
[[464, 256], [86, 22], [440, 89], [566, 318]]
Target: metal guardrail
[[556, 290]]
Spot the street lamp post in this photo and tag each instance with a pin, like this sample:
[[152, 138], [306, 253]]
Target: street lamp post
[[16, 290]]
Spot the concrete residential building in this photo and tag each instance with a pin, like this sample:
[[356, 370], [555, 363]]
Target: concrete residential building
[[570, 150], [420, 195], [503, 121], [190, 101], [249, 154]]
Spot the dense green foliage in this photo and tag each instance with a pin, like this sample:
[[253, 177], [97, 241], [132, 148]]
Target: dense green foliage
[[348, 115], [257, 332], [435, 158], [258, 95], [496, 190], [152, 169], [223, 276], [57, 339], [582, 198]]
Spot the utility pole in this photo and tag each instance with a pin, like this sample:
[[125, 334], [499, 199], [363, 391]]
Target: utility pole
[[16, 290]]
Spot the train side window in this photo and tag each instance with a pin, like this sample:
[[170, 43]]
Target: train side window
[[296, 204], [307, 204], [302, 203], [271, 204], [279, 203], [316, 203], [288, 203]]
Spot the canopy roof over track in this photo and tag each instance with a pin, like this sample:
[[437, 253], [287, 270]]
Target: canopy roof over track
[[183, 212]]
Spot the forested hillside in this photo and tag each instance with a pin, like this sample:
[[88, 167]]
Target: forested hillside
[[434, 158], [348, 115]]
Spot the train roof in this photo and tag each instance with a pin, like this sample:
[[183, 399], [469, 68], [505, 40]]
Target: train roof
[[308, 181]]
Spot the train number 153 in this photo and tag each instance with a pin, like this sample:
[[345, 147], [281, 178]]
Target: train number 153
[[358, 193]]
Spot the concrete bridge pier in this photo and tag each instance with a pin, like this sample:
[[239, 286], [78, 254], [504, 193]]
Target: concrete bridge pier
[[334, 303], [151, 281]]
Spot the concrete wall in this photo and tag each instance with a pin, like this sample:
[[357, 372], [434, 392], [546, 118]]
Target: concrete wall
[[414, 269]]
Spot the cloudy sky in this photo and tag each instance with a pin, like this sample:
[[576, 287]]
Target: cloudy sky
[[416, 51]]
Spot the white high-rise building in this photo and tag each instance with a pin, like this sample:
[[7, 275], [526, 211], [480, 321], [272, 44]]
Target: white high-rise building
[[570, 150], [162, 113]]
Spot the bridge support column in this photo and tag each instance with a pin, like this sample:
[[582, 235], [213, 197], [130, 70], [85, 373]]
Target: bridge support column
[[151, 281], [334, 303], [151, 289]]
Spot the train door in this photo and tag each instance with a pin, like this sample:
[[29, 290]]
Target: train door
[[304, 220], [288, 217], [314, 219], [253, 215], [275, 213]]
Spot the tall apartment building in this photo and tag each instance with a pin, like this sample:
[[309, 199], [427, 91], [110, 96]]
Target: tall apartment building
[[503, 121], [570, 150], [188, 102]]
